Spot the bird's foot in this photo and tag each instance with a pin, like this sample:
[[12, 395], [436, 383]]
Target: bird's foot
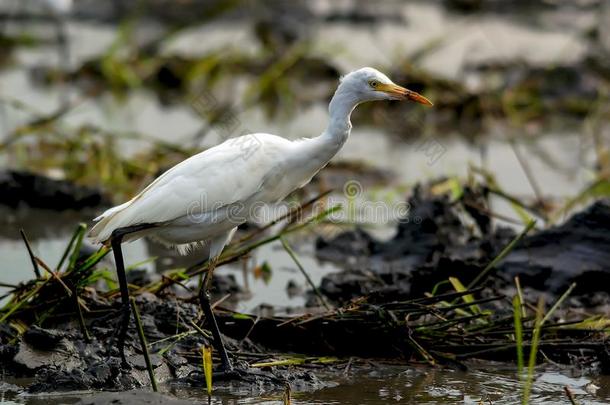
[[125, 366], [117, 347], [118, 339]]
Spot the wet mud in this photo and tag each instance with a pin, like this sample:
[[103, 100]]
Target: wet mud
[[443, 238], [63, 359], [392, 301], [19, 189]]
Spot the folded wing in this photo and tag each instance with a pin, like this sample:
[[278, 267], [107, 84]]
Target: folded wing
[[228, 173]]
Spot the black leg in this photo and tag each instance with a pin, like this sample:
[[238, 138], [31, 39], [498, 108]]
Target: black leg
[[126, 311], [115, 241], [204, 299]]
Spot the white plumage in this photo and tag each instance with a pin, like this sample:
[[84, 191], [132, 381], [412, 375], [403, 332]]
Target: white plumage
[[197, 200], [205, 197]]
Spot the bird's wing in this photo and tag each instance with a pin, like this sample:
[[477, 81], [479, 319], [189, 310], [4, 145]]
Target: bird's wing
[[225, 174]]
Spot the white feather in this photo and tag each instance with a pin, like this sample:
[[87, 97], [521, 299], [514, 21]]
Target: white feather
[[206, 197], [232, 172]]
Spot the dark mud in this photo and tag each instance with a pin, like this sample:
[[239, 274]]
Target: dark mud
[[62, 359], [384, 292], [443, 239], [18, 189], [576, 252], [432, 244], [381, 308]]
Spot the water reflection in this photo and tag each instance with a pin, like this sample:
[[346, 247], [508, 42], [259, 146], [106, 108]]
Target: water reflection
[[485, 383]]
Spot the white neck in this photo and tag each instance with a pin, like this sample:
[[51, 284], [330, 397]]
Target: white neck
[[322, 148], [339, 124], [314, 153]]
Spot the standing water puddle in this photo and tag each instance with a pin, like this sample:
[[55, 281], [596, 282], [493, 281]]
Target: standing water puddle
[[487, 383]]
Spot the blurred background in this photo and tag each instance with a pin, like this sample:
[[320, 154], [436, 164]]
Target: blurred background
[[98, 98]]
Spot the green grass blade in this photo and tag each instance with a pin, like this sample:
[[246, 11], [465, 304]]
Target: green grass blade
[[295, 259], [206, 357], [64, 256], [502, 255], [527, 389], [467, 298], [80, 234], [558, 303], [518, 334], [144, 344]]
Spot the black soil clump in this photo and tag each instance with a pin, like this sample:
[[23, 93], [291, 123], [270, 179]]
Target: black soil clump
[[18, 188], [62, 359], [416, 297], [442, 238], [577, 251]]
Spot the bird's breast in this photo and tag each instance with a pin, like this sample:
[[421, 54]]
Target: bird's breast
[[281, 182]]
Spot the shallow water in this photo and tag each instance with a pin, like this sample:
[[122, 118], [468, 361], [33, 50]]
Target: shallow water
[[486, 383]]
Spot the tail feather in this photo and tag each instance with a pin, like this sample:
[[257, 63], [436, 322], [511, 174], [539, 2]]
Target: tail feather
[[102, 231]]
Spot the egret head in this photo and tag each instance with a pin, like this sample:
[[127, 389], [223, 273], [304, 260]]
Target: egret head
[[368, 84]]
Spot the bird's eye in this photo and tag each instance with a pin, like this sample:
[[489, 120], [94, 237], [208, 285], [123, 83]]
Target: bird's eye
[[374, 83]]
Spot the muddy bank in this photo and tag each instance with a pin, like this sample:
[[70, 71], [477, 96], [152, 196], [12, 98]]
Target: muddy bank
[[443, 238], [403, 300], [26, 189], [64, 359]]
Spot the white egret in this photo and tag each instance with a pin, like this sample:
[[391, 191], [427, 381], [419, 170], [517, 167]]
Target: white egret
[[205, 197]]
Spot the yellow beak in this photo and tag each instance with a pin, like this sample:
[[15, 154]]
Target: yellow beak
[[400, 93]]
